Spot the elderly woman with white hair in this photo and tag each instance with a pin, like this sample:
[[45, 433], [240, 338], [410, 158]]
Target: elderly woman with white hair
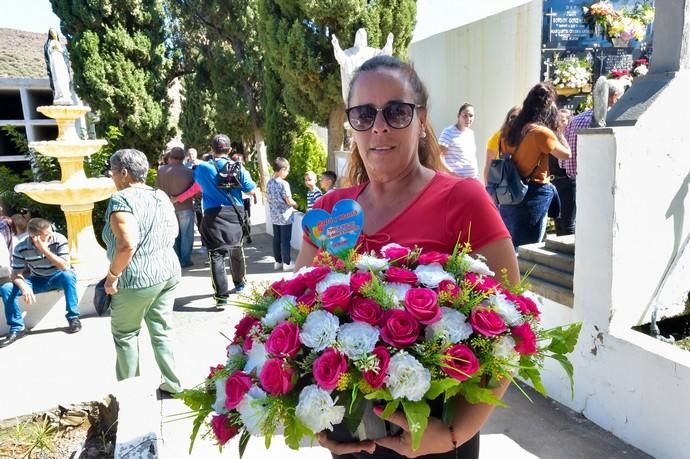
[[139, 234]]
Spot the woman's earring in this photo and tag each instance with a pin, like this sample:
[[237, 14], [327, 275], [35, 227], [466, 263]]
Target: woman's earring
[[423, 135]]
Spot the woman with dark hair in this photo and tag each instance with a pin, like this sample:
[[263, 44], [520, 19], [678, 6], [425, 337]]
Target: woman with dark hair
[[398, 179], [531, 139], [494, 145], [458, 147]]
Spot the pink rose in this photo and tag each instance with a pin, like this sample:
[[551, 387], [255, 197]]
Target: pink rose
[[236, 386], [486, 321], [308, 298], [366, 310], [401, 275], [427, 258], [315, 276], [277, 289], [243, 327], [448, 286], [284, 340], [524, 304], [223, 429], [531, 306], [336, 298], [294, 287], [399, 328], [277, 377], [328, 367], [394, 251], [422, 304], [460, 362], [357, 280], [525, 338], [484, 284], [375, 378]]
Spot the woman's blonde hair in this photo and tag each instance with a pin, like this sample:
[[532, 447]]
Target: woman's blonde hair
[[429, 152]]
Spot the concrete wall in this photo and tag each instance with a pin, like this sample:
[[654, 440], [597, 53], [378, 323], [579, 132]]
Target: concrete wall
[[491, 63]]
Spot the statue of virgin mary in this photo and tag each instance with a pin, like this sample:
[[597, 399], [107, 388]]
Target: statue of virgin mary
[[59, 72]]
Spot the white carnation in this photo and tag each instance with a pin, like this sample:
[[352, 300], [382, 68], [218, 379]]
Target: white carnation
[[219, 404], [256, 357], [407, 377], [504, 348], [452, 327], [253, 411], [332, 279], [475, 266], [303, 270], [506, 309], [317, 410], [371, 263], [319, 330], [397, 291], [432, 274], [357, 339], [279, 310]]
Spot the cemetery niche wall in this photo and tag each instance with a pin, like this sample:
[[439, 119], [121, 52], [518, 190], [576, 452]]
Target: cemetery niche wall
[[582, 40]]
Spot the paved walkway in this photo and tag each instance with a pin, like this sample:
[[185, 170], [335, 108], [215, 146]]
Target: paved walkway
[[50, 367]]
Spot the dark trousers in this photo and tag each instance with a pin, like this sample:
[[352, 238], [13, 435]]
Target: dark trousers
[[565, 224], [281, 243], [469, 450], [218, 275]]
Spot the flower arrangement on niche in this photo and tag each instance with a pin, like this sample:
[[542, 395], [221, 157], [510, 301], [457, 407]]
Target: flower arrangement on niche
[[572, 74], [622, 25]]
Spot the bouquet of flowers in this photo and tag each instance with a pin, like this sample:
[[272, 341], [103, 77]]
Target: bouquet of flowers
[[571, 73], [623, 75], [401, 327], [640, 67], [599, 13], [627, 27]]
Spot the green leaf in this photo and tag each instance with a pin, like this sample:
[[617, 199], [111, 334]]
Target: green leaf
[[568, 367], [449, 408], [244, 441], [196, 425], [354, 408], [380, 394], [563, 339], [294, 431], [532, 374], [390, 408], [440, 386], [474, 393], [417, 414]]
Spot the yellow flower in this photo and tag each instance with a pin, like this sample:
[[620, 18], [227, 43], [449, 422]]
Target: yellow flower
[[344, 381]]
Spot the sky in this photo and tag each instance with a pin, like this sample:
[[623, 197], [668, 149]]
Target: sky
[[30, 15]]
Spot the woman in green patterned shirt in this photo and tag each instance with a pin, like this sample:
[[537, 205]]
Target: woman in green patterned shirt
[[139, 234]]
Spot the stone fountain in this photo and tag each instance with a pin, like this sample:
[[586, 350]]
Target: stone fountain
[[74, 192]]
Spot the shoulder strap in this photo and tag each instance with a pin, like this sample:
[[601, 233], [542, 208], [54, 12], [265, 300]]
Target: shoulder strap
[[528, 177]]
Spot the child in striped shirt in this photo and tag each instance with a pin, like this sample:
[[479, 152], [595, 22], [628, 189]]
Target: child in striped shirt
[[313, 193]]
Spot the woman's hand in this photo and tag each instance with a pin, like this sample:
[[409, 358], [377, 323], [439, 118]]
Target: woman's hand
[[111, 284], [339, 448], [436, 438]]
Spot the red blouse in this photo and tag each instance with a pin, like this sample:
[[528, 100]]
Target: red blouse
[[448, 209]]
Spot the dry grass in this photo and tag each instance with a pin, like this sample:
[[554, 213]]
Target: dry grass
[[21, 54]]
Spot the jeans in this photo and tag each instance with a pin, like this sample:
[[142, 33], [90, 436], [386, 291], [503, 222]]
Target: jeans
[[185, 238], [565, 224], [60, 280], [526, 221], [281, 243], [237, 268], [152, 305]]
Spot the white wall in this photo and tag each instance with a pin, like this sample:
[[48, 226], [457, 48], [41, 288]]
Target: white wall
[[491, 63]]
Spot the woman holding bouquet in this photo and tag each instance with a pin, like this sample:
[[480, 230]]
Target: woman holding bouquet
[[408, 197]]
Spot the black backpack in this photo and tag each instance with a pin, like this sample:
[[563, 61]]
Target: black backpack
[[229, 175]]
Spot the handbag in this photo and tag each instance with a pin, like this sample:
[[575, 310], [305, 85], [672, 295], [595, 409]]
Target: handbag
[[504, 183]]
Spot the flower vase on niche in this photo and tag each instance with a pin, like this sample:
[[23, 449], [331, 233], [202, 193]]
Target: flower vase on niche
[[619, 42], [567, 92]]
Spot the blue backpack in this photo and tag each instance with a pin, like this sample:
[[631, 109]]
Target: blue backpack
[[504, 184]]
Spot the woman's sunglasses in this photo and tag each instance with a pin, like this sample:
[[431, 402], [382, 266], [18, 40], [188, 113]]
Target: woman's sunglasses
[[398, 115]]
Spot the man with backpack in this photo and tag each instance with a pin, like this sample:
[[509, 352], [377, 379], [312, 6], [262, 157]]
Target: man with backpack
[[222, 183]]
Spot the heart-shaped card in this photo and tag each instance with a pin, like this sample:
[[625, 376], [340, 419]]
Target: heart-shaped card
[[338, 231]]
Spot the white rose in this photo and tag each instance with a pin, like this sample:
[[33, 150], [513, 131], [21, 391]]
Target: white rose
[[256, 357], [432, 274], [332, 279], [476, 266], [370, 263], [252, 410], [506, 309], [452, 327], [219, 404], [407, 377], [317, 410], [397, 291], [319, 330], [279, 310], [357, 339]]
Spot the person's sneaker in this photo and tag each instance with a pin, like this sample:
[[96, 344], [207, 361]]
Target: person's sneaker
[[166, 392], [74, 325], [12, 337], [221, 302], [277, 266], [239, 288], [290, 267]]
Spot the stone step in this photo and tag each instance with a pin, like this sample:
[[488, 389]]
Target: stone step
[[551, 291], [556, 276], [538, 254], [561, 244]]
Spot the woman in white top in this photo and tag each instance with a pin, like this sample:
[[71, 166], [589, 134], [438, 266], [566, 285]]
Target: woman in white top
[[457, 144]]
